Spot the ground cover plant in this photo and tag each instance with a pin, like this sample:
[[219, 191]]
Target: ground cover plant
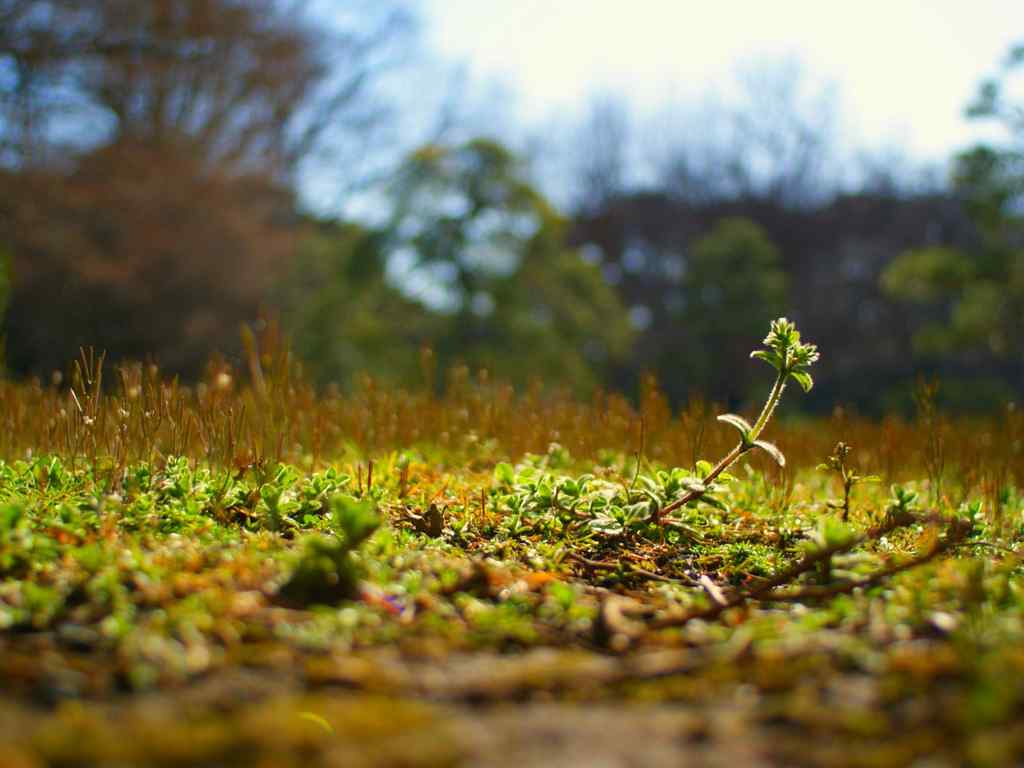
[[250, 571]]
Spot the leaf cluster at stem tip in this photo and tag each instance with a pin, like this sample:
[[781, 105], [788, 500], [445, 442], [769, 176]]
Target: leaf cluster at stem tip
[[791, 358], [787, 354]]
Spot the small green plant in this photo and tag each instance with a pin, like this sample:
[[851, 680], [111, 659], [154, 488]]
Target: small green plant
[[838, 463], [829, 535], [791, 358], [903, 501], [275, 507], [326, 572], [14, 551]]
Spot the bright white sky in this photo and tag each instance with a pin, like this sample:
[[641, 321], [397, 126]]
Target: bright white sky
[[904, 69]]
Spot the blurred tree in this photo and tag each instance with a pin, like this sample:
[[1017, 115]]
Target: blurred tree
[[150, 153], [974, 296], [474, 241], [772, 141], [344, 315], [599, 149], [733, 285], [832, 256], [257, 85], [107, 256], [991, 99]]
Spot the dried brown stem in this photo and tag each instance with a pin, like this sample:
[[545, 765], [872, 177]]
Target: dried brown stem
[[894, 521]]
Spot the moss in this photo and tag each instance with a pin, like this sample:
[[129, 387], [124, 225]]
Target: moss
[[281, 731], [133, 582]]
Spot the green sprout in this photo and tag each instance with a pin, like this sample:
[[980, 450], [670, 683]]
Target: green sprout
[[791, 359], [326, 571], [837, 462], [903, 500]]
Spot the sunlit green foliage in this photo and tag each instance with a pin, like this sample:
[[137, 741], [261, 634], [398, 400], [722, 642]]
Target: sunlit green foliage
[[482, 247], [347, 319], [734, 284], [977, 294], [261, 545]]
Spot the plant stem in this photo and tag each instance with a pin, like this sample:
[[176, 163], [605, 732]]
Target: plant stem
[[764, 590], [727, 461], [769, 406], [730, 458]]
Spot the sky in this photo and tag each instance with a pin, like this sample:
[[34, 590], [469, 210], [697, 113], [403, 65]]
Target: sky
[[903, 70]]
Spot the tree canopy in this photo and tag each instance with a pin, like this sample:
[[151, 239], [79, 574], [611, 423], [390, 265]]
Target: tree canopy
[[474, 240], [974, 295]]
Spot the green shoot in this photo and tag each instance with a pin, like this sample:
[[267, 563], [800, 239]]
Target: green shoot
[[837, 462], [325, 571], [791, 359]]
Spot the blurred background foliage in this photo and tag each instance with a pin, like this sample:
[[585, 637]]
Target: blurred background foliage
[[154, 155]]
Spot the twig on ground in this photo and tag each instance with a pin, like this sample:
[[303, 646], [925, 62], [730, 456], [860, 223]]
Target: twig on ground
[[895, 520]]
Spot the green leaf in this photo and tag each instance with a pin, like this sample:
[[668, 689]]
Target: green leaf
[[769, 357], [693, 485], [772, 450], [270, 494], [802, 356], [833, 533], [10, 516], [903, 497], [716, 503], [504, 474], [741, 425], [606, 524], [354, 519], [803, 379]]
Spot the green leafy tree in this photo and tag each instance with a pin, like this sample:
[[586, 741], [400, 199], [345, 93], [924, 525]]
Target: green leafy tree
[[475, 242], [344, 317], [734, 284], [973, 297]]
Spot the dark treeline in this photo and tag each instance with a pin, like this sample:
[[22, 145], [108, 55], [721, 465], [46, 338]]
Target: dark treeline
[[152, 155], [705, 277]]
